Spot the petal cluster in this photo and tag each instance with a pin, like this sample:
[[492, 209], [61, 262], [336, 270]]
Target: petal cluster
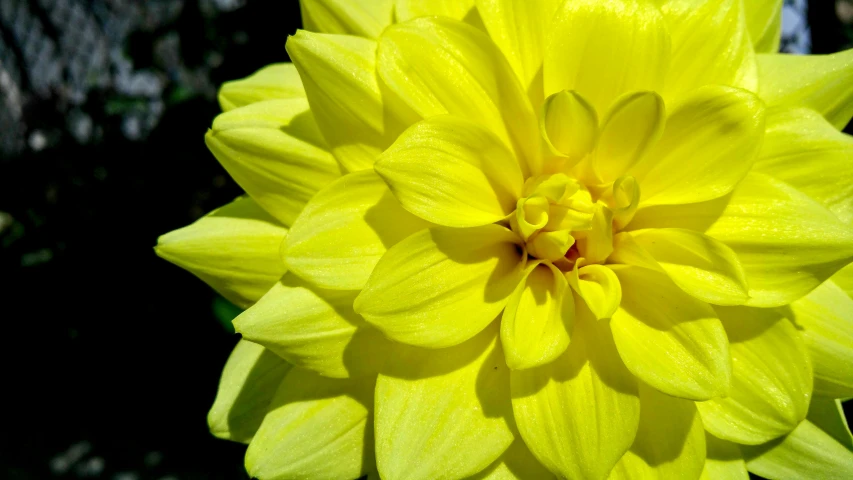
[[592, 239]]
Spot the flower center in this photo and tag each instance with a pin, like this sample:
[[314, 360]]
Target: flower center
[[564, 222]]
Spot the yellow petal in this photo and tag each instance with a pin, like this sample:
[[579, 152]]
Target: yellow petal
[[844, 279], [693, 216], [710, 45], [455, 9], [365, 18], [787, 243], [274, 151], [276, 81], [596, 244], [345, 229], [314, 329], [550, 245], [628, 252], [599, 287], [234, 249], [626, 200], [819, 82], [708, 146], [557, 188], [699, 264], [629, 129], [441, 286], [804, 150], [520, 30], [569, 126], [443, 413], [828, 415], [317, 428], [537, 319], [516, 463], [668, 339], [339, 74], [764, 21], [807, 453], [579, 413], [670, 442], [436, 65], [771, 378], [579, 216], [825, 317], [531, 215], [249, 381], [606, 49], [452, 172], [723, 460]]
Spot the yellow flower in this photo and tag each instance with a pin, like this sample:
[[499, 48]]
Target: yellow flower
[[533, 239]]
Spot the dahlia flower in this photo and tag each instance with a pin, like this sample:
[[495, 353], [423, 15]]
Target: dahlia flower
[[533, 239]]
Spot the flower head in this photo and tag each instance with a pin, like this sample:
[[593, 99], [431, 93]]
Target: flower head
[[524, 239]]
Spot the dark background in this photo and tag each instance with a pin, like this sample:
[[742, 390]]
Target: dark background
[[111, 356]]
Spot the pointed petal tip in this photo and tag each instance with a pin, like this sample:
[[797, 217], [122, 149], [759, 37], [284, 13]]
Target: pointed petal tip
[[224, 102], [209, 136], [169, 246], [358, 305]]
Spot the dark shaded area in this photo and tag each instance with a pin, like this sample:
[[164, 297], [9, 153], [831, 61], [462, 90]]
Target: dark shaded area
[[111, 355], [830, 25]]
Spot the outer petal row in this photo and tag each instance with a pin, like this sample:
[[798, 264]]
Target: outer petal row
[[806, 453], [339, 74], [276, 81], [455, 9], [297, 423], [771, 378], [234, 249], [364, 18], [828, 415], [783, 260], [274, 150], [819, 82], [248, 384], [723, 460], [316, 428], [805, 151], [313, 328], [345, 229], [826, 317]]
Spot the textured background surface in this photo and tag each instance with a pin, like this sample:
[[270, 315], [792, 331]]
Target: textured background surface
[[110, 355]]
